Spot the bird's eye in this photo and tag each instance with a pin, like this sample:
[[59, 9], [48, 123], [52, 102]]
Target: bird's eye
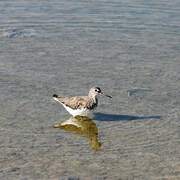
[[97, 90]]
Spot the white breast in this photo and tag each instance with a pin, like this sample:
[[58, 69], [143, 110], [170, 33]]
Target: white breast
[[75, 112]]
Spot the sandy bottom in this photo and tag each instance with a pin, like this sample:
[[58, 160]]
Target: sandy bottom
[[131, 51]]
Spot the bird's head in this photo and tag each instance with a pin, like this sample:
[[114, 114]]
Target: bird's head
[[94, 91]]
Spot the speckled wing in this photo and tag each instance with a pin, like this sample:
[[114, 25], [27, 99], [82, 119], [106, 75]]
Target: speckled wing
[[77, 102]]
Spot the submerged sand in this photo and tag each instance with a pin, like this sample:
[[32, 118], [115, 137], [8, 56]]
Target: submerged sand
[[129, 49]]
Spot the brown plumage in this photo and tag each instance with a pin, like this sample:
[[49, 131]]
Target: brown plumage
[[78, 102], [80, 105]]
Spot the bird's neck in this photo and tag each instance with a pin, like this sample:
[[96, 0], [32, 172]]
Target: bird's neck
[[94, 98]]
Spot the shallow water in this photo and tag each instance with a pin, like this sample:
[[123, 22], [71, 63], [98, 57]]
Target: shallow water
[[83, 126], [129, 49]]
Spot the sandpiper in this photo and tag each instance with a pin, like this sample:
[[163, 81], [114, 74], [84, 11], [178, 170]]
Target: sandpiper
[[81, 105]]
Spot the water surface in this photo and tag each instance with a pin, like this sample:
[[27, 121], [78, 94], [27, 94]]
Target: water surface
[[65, 47]]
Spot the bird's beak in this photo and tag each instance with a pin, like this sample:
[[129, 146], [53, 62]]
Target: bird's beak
[[106, 95]]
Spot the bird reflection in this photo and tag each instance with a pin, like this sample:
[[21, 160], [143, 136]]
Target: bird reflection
[[83, 126]]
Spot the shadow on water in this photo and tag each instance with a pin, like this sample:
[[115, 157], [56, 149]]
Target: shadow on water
[[86, 127], [118, 117], [83, 126]]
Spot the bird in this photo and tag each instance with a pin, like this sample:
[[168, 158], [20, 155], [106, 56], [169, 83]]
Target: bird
[[81, 105]]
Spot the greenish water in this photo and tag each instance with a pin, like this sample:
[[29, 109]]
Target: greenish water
[[128, 48]]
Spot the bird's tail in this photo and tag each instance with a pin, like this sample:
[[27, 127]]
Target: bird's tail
[[55, 96]]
